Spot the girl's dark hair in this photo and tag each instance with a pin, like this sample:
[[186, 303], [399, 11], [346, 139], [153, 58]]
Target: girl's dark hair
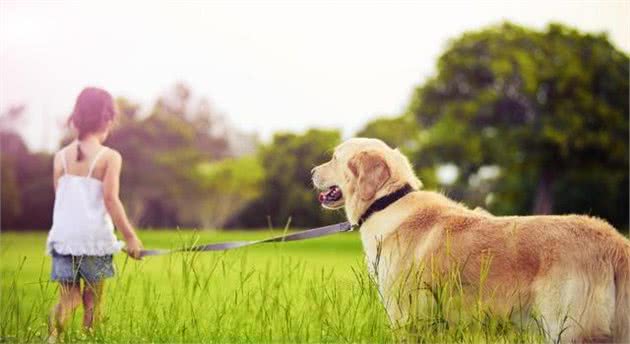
[[93, 109]]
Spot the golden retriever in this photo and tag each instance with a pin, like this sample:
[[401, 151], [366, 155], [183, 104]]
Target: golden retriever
[[571, 272]]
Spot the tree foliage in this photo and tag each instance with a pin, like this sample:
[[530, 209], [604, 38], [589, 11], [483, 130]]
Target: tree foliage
[[25, 179], [400, 131], [550, 108], [229, 185], [287, 193], [161, 154]]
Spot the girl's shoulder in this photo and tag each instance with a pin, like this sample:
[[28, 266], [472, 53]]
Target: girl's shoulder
[[59, 155], [110, 154]]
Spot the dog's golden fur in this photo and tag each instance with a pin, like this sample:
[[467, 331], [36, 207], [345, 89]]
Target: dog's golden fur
[[573, 270]]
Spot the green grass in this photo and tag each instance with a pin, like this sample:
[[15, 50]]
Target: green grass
[[313, 291]]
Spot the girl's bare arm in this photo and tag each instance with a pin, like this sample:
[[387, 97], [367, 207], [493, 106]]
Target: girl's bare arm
[[111, 186]]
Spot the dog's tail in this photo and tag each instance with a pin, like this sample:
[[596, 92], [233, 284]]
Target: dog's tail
[[621, 321]]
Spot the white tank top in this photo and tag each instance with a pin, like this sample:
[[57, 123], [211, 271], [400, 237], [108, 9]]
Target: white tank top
[[81, 223]]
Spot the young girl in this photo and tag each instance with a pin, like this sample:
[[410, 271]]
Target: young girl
[[81, 240]]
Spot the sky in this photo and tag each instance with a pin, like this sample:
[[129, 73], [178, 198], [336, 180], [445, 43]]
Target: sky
[[266, 66]]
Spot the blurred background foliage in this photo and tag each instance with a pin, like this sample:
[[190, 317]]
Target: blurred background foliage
[[287, 195], [514, 120], [548, 109]]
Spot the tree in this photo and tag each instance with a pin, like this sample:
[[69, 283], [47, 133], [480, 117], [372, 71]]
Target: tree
[[287, 192], [228, 185], [398, 132], [161, 154], [26, 178], [12, 147], [549, 108]]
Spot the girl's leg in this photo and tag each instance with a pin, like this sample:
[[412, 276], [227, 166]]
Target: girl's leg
[[92, 295], [69, 300]]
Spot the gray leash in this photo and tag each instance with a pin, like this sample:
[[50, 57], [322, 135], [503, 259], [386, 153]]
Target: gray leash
[[303, 235]]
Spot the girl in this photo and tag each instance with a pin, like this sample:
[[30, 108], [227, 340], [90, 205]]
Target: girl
[[81, 240]]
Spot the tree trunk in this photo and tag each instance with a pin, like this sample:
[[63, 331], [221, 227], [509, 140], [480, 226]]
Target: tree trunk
[[543, 203]]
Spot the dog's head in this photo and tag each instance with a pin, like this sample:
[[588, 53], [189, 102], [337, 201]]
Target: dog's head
[[361, 170]]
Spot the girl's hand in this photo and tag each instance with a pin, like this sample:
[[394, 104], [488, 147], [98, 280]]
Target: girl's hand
[[134, 247]]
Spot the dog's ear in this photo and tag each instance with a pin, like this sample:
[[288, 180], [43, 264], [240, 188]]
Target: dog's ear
[[371, 172]]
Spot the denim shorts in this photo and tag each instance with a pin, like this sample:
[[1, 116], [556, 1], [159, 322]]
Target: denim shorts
[[69, 269]]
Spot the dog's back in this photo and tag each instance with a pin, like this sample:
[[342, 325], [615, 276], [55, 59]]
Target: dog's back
[[581, 288]]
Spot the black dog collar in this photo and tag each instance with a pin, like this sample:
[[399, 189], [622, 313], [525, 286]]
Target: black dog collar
[[384, 202]]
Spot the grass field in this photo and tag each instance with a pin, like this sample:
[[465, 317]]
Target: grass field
[[314, 291]]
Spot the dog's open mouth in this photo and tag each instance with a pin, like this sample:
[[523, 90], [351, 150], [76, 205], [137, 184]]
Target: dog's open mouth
[[331, 197]]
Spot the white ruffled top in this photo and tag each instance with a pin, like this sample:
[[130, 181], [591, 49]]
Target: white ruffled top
[[81, 223]]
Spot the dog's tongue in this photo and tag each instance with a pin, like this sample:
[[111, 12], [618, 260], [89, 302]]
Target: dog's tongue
[[322, 196]]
